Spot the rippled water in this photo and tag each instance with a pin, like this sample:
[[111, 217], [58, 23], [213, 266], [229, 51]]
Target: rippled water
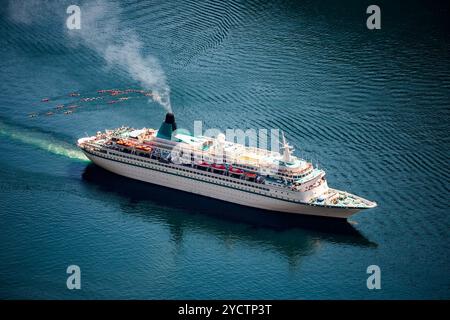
[[371, 107]]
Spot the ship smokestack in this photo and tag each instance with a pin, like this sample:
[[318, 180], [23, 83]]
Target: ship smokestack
[[167, 127], [170, 119]]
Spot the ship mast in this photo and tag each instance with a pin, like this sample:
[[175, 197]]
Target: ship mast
[[287, 150]]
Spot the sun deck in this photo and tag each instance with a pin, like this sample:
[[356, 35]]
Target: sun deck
[[338, 198]]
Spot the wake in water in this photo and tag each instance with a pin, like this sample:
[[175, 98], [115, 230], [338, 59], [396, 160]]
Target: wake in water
[[41, 140]]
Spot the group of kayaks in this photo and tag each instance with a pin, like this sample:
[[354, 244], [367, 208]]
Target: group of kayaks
[[116, 92], [111, 92]]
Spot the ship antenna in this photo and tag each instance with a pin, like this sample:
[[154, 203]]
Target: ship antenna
[[287, 150]]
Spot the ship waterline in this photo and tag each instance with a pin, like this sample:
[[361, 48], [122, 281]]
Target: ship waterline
[[222, 170]]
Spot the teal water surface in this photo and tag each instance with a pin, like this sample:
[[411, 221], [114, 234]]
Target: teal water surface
[[372, 107]]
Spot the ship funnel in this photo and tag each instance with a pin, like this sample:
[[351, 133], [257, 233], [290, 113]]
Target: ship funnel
[[170, 119], [167, 127]]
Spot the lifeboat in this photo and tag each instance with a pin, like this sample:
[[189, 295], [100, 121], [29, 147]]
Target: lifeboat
[[45, 100], [121, 142], [203, 164], [220, 167], [236, 171], [143, 147], [126, 143], [250, 175]]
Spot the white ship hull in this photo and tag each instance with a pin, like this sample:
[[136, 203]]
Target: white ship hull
[[217, 191]]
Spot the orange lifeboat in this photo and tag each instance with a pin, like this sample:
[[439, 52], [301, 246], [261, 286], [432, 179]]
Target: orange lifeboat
[[250, 175], [143, 147]]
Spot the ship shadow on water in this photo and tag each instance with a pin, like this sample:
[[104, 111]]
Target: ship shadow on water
[[292, 235]]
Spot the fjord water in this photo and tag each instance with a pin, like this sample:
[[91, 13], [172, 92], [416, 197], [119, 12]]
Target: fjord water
[[372, 107]]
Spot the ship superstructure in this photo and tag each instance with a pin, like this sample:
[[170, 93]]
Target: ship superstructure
[[214, 167]]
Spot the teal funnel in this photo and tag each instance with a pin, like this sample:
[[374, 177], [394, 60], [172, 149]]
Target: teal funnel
[[167, 127]]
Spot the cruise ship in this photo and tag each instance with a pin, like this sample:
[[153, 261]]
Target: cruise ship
[[220, 169]]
